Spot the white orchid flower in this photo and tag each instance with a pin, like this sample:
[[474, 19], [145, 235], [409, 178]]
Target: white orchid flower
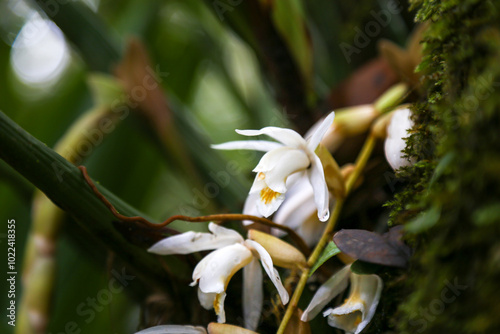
[[358, 309], [291, 154], [397, 130], [298, 212], [212, 274]]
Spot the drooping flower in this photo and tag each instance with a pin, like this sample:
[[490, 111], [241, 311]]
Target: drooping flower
[[397, 130], [290, 155], [357, 310], [213, 272]]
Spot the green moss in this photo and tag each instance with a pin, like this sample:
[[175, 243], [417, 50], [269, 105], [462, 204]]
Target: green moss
[[455, 271]]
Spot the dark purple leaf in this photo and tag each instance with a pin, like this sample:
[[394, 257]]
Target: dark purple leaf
[[387, 249]]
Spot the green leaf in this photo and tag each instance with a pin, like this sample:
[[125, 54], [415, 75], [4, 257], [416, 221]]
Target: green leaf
[[442, 166], [330, 251], [424, 221], [290, 21]]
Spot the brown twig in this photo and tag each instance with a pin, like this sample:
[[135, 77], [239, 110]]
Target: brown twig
[[218, 217]]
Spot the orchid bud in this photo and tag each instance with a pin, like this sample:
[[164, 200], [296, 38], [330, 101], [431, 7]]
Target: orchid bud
[[349, 122], [391, 97], [395, 143], [282, 253], [216, 328], [379, 128]]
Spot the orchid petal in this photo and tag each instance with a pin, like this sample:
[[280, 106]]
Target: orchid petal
[[371, 296], [256, 145], [298, 205], [216, 269], [219, 307], [346, 322], [298, 212], [320, 132], [253, 295], [311, 230], [265, 200], [285, 136], [224, 232], [270, 203], [358, 310], [276, 165], [321, 196], [273, 274], [258, 185], [206, 299], [190, 242], [173, 329], [329, 290], [250, 207]]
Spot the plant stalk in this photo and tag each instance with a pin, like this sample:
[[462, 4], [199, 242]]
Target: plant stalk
[[360, 164]]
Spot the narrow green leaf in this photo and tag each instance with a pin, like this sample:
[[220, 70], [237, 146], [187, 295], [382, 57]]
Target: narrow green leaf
[[445, 162], [290, 20], [424, 221], [330, 251]]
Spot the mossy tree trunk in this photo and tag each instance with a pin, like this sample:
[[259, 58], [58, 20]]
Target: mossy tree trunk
[[455, 271]]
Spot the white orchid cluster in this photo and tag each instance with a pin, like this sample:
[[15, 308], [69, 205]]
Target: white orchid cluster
[[290, 182]]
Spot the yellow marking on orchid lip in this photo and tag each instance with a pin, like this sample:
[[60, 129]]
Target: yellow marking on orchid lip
[[358, 320], [261, 176], [267, 195], [217, 303]]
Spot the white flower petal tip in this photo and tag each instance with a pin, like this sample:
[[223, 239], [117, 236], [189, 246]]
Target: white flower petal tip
[[397, 130], [253, 294], [320, 131], [173, 329], [282, 253], [255, 145], [324, 216], [190, 242], [273, 274]]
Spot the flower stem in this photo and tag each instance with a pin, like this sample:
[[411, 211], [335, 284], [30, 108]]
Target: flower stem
[[361, 161], [360, 164]]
